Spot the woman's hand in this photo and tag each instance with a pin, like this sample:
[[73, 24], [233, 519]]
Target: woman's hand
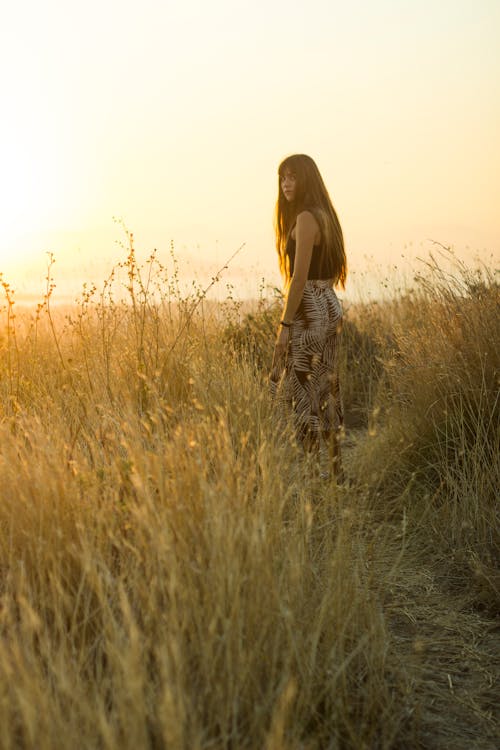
[[280, 347], [282, 340]]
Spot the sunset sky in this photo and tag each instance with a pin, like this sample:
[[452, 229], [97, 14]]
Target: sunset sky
[[174, 116]]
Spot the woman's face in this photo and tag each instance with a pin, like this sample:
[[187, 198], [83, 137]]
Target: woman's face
[[288, 184]]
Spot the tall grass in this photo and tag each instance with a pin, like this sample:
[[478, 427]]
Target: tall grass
[[436, 419], [174, 574]]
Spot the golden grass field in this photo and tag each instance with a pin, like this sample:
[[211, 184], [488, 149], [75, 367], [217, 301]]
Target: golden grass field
[[174, 574]]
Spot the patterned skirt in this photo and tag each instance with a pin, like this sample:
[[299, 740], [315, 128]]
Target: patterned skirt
[[306, 379]]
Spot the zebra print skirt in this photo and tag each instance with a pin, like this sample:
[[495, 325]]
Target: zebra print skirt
[[306, 379]]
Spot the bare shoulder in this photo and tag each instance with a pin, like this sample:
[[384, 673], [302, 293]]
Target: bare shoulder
[[307, 226], [306, 220]]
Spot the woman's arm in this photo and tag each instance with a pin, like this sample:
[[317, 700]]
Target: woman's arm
[[306, 230]]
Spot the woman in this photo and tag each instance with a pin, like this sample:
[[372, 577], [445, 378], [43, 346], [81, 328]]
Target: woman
[[312, 260]]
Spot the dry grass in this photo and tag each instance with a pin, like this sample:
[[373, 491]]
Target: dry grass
[[174, 575]]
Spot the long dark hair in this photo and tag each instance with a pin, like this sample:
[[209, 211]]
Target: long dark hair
[[310, 194]]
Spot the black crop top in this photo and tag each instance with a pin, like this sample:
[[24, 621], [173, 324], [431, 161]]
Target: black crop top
[[321, 266]]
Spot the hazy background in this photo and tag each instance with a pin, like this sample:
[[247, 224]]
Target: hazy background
[[174, 116]]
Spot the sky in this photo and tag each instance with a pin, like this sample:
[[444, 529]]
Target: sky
[[172, 117]]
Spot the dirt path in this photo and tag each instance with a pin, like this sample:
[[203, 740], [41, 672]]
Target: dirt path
[[451, 657], [448, 652]]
